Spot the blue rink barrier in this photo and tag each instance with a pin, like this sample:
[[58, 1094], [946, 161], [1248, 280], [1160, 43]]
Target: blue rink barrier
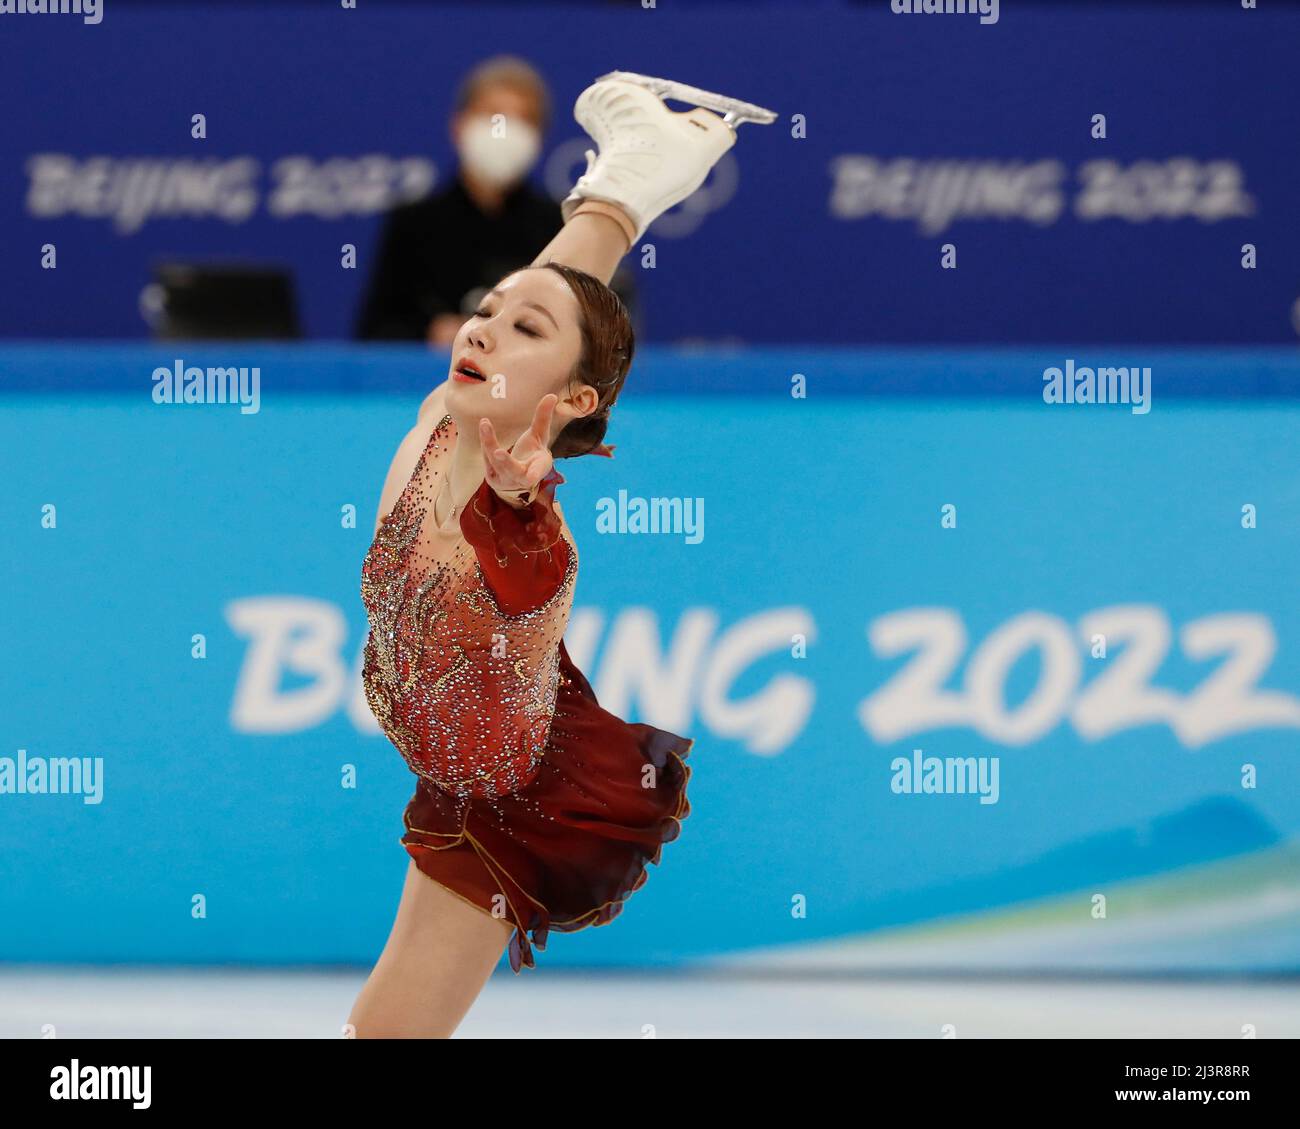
[[1010, 682]]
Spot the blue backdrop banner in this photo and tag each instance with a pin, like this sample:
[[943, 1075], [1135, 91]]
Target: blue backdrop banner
[[1071, 172], [1012, 673]]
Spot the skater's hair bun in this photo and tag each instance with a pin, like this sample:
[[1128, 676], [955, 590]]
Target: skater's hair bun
[[607, 347]]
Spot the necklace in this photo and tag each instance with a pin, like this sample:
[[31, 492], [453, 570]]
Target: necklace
[[444, 489]]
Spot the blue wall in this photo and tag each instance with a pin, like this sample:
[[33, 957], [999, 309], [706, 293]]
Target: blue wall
[[822, 517], [832, 237]]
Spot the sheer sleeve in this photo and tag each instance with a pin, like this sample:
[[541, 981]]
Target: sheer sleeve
[[522, 551]]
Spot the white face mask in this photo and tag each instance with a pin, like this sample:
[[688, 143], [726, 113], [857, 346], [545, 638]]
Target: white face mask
[[500, 153]]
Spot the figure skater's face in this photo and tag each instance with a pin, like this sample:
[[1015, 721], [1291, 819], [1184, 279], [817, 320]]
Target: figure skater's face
[[525, 339]]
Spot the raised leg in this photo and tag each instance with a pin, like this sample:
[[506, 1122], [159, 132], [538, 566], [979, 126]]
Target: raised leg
[[591, 241], [733, 110], [650, 158]]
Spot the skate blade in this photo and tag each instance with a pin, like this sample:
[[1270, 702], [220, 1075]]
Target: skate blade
[[734, 111]]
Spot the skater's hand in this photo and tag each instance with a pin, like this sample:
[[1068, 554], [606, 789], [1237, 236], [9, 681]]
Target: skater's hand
[[518, 471]]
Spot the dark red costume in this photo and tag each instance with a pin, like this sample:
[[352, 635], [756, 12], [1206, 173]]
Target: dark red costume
[[533, 802]]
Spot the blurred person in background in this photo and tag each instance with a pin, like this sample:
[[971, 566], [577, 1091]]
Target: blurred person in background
[[439, 255]]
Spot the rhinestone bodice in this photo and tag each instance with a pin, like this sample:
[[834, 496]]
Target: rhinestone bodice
[[465, 690]]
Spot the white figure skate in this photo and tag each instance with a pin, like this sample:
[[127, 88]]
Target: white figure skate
[[652, 157]]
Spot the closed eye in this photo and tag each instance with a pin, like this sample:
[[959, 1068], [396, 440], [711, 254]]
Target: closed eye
[[482, 313]]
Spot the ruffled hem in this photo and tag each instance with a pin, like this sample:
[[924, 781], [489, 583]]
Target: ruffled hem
[[566, 852]]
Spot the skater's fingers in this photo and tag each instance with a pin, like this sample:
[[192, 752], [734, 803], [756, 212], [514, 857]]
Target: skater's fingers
[[508, 468], [538, 467], [502, 459], [541, 428], [494, 453], [487, 435]]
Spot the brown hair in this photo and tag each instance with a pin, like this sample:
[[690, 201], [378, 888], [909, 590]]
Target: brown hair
[[509, 70], [607, 347]]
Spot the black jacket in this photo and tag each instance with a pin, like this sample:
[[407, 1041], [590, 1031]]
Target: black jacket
[[438, 254]]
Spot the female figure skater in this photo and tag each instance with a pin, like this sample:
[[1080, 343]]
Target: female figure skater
[[535, 809]]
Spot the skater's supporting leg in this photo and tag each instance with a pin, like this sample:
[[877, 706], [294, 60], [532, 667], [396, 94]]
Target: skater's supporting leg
[[594, 240]]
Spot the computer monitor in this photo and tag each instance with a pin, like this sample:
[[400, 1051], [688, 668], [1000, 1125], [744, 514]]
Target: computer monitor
[[234, 301]]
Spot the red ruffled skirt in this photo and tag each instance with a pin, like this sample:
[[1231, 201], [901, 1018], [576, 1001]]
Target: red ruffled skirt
[[567, 850]]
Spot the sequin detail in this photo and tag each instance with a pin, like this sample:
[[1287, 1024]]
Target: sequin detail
[[465, 691]]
